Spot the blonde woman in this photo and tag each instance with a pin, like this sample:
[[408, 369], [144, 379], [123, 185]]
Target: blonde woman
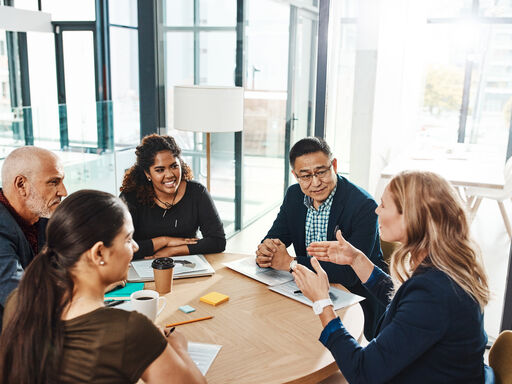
[[432, 330]]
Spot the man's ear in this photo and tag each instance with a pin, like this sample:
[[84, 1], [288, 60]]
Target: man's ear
[[21, 185], [335, 165], [294, 174]]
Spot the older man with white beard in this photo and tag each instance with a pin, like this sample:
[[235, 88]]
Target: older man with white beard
[[32, 187]]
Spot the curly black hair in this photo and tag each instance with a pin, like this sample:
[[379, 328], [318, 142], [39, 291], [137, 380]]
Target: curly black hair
[[135, 179]]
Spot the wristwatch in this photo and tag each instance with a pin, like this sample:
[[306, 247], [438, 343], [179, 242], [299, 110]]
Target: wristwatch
[[293, 264], [319, 305]]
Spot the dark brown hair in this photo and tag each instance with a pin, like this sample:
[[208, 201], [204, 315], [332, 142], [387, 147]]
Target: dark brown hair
[[32, 340], [135, 179]]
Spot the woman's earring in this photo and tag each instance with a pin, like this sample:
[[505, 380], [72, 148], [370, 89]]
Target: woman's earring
[[102, 262], [149, 178]]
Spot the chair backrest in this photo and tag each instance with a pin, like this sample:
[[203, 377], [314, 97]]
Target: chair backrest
[[500, 358]]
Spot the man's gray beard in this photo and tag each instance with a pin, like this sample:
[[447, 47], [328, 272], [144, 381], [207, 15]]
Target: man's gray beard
[[36, 204]]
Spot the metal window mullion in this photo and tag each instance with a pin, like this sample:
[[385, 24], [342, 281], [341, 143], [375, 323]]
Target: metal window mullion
[[25, 89], [14, 80], [239, 82], [321, 77], [101, 37], [290, 94], [61, 88]]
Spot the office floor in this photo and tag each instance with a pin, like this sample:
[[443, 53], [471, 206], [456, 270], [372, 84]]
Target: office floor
[[488, 231]]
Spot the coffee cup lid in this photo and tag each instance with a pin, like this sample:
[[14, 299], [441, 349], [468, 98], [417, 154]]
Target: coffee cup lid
[[163, 263]]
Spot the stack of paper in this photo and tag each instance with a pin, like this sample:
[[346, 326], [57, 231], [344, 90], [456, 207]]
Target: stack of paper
[[185, 266]]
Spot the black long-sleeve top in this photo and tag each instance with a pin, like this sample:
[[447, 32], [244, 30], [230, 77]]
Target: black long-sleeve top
[[194, 211]]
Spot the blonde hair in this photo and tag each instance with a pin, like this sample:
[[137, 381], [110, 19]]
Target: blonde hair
[[436, 226]]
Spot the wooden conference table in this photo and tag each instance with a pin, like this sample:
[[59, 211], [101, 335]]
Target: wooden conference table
[[265, 337]]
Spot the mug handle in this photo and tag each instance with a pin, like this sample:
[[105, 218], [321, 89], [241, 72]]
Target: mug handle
[[163, 306]]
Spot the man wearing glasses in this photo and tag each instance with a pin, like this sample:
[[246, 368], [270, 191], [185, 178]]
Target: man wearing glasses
[[312, 210]]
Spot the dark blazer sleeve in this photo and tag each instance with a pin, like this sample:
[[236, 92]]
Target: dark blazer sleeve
[[146, 245], [355, 215], [210, 225], [380, 286], [419, 321], [280, 229]]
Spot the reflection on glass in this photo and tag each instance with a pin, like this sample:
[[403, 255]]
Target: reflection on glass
[[27, 4], [264, 107], [452, 8], [217, 58], [80, 91], [217, 12], [179, 66], [66, 10], [43, 90], [8, 134], [125, 85], [123, 12], [178, 13]]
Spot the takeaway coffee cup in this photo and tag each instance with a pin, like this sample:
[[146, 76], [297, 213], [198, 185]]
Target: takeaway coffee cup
[[163, 269], [147, 303]]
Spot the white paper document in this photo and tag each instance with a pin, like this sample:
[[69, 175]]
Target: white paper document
[[340, 299], [203, 354], [267, 276], [184, 266]]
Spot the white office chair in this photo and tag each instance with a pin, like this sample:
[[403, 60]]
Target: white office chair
[[475, 195]]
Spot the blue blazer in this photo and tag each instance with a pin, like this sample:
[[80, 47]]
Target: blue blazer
[[432, 332], [15, 253], [353, 210]]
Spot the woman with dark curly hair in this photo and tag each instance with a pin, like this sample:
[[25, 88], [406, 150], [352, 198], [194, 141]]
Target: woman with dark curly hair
[[167, 206]]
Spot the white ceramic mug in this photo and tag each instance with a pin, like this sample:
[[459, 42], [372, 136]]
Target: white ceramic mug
[[147, 303]]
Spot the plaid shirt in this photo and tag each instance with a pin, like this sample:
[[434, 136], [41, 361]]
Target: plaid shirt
[[317, 220]]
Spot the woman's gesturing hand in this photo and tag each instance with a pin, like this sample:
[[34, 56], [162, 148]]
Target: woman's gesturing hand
[[315, 286], [338, 252]]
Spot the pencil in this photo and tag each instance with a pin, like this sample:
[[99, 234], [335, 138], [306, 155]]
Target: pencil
[[188, 321]]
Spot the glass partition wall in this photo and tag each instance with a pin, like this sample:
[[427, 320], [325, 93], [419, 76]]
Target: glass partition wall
[[426, 83], [278, 50], [77, 90]]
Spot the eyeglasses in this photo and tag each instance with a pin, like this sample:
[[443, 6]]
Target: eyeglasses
[[322, 175]]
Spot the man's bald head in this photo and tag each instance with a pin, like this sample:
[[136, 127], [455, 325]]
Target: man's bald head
[[24, 161], [32, 182]]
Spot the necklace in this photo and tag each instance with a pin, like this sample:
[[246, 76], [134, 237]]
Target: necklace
[[167, 205]]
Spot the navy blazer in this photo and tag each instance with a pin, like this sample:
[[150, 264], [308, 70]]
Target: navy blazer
[[15, 253], [432, 332], [353, 210]]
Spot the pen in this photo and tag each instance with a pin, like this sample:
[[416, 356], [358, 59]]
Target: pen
[[113, 303], [121, 284], [297, 292], [189, 321]]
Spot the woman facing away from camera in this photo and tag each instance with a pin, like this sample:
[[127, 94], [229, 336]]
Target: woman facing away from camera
[[432, 330], [56, 327], [167, 206]]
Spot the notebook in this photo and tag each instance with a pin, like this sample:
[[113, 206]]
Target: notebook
[[185, 267], [124, 292]]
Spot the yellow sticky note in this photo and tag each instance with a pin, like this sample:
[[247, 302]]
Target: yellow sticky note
[[214, 298]]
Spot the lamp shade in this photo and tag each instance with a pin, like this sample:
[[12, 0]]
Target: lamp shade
[[208, 109]]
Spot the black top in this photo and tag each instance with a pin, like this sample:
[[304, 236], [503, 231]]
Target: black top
[[195, 210]]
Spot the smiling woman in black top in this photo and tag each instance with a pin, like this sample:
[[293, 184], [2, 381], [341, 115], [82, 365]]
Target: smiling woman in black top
[[167, 206]]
